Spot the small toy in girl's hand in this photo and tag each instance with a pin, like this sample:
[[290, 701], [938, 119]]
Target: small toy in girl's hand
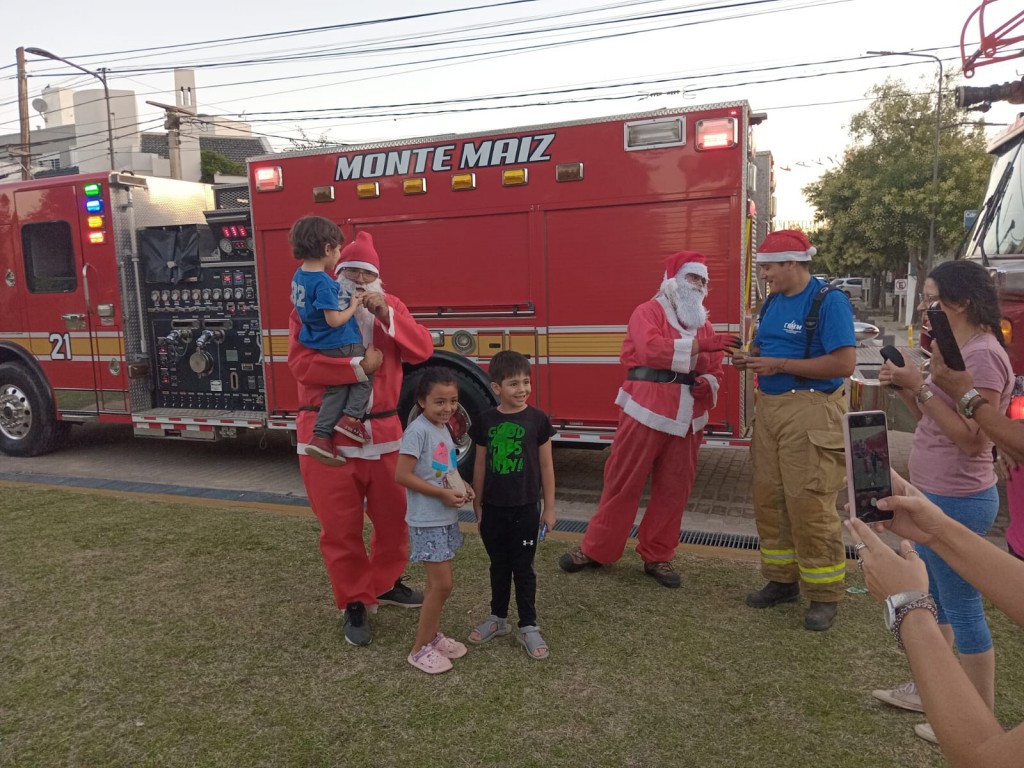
[[543, 532], [453, 480]]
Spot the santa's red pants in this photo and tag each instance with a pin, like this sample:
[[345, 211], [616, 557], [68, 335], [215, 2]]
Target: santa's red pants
[[637, 452], [336, 495]]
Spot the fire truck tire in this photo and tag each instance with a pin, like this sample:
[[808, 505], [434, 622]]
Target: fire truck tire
[[28, 421], [473, 399]]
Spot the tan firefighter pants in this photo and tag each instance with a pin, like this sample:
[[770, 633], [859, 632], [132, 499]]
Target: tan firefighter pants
[[797, 456]]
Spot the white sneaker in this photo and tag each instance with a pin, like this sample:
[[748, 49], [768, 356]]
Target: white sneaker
[[904, 697], [925, 731]]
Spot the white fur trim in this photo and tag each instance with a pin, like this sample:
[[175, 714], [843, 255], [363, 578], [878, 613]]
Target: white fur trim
[[368, 452], [693, 268], [391, 321], [358, 265], [358, 369], [679, 427], [763, 258], [713, 381], [682, 358]]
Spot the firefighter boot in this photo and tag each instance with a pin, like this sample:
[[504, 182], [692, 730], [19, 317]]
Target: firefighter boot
[[774, 593], [820, 616]]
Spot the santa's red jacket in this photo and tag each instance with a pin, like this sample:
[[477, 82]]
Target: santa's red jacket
[[655, 338], [400, 339]]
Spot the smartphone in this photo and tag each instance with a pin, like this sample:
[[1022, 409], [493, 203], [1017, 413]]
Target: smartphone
[[942, 335], [867, 464]]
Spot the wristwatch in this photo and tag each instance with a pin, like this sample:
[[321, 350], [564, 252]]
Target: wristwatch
[[969, 403], [899, 605]]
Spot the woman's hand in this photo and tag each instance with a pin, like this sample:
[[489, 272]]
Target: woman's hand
[[886, 572], [908, 377], [914, 516]]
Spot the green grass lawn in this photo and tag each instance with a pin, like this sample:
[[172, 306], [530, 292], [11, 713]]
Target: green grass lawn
[[138, 632]]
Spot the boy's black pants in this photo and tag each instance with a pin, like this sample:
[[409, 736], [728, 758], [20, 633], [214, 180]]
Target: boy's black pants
[[510, 538]]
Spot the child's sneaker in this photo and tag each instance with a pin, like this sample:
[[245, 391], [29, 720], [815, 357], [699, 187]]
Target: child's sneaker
[[352, 427], [429, 660], [322, 449], [450, 649]]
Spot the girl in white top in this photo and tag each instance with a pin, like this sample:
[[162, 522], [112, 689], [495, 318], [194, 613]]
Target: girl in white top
[[428, 469]]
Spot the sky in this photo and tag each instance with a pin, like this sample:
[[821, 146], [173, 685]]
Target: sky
[[361, 73]]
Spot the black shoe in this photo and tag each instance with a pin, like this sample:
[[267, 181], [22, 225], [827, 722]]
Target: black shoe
[[574, 561], [401, 595], [774, 593], [820, 616], [357, 628], [663, 573]]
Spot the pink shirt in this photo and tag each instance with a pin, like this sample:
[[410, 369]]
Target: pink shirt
[[937, 465]]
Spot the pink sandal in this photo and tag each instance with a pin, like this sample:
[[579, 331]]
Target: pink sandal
[[450, 649], [429, 660]]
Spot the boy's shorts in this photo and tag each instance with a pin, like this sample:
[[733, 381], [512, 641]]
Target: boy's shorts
[[434, 544]]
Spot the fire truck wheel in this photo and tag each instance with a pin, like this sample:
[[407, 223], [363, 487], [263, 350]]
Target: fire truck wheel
[[28, 421], [473, 399]]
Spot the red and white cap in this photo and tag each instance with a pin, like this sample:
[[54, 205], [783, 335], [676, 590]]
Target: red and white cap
[[686, 263], [360, 254], [785, 245]]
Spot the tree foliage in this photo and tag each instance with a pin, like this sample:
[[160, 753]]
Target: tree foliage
[[875, 207], [211, 163]]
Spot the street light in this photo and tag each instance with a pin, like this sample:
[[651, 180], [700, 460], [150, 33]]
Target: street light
[[106, 93], [935, 159]]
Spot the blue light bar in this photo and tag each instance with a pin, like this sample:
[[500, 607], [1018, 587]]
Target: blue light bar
[[94, 206]]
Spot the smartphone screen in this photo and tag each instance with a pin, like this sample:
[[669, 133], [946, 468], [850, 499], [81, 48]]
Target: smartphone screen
[[942, 334], [867, 464]]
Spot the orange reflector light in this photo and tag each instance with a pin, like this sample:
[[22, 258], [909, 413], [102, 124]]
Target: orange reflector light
[[269, 179], [716, 133], [97, 238], [1007, 327], [367, 190], [569, 172], [1016, 410], [95, 222], [414, 186], [515, 177], [463, 181]]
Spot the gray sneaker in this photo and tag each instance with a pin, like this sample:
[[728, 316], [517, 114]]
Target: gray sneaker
[[903, 696], [357, 628], [402, 596]]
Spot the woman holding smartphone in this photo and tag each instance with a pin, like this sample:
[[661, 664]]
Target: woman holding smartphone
[[951, 462]]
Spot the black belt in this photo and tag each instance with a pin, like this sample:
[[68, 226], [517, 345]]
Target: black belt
[[658, 376], [377, 415]]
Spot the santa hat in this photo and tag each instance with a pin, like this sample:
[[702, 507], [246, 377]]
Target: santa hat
[[686, 263], [785, 245], [360, 254]]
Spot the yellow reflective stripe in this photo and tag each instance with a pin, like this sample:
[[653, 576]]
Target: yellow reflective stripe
[[824, 575], [778, 556]]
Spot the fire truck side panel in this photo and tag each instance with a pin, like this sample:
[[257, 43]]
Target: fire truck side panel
[[276, 266], [541, 239], [54, 280], [588, 307]]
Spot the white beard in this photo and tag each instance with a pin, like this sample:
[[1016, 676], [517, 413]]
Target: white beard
[[356, 289], [688, 302]]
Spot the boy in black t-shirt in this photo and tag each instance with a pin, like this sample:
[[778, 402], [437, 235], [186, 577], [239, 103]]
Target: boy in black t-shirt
[[513, 468]]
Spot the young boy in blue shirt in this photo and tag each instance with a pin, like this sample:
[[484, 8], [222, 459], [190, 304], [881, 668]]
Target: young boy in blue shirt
[[328, 326]]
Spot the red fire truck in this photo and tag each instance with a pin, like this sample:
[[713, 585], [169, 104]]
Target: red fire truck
[[165, 304], [996, 240]]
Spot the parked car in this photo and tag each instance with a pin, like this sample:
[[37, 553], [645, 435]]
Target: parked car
[[853, 287]]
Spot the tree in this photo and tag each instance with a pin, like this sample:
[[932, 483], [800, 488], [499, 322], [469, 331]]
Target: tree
[[211, 163], [876, 205]]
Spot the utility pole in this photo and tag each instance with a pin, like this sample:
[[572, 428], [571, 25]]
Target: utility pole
[[172, 123], [26, 140]]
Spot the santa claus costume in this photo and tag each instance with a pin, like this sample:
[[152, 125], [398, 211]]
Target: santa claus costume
[[337, 493], [674, 362]]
